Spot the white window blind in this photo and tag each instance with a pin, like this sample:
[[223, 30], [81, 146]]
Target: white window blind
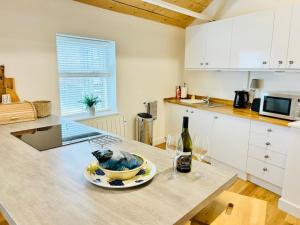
[[86, 67]]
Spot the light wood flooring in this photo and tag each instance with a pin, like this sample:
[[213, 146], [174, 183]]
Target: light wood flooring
[[275, 216]]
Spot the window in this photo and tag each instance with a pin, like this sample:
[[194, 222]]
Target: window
[[86, 67]]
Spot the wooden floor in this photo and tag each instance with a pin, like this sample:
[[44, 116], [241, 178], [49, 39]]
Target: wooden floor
[[274, 215], [2, 220]]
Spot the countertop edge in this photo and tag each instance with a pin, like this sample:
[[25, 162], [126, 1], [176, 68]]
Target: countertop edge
[[228, 109]]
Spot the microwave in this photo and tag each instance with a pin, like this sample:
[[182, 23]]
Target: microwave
[[282, 105]]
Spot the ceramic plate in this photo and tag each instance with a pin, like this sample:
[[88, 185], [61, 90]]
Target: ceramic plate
[[99, 178]]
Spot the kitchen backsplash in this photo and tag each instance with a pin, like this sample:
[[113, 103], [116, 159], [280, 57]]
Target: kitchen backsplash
[[223, 84]]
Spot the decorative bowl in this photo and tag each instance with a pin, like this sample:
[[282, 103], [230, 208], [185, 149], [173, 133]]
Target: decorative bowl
[[124, 174]]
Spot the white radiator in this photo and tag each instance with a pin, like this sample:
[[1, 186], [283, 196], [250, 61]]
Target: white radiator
[[115, 124]]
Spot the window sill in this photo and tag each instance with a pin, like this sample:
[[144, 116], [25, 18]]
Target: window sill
[[87, 116]]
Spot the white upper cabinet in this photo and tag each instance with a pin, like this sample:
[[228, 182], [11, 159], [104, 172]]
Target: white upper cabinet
[[195, 47], [281, 35], [267, 40], [208, 46], [251, 40], [218, 44], [294, 44]]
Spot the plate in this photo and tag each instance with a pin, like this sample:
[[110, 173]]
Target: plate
[[100, 179]]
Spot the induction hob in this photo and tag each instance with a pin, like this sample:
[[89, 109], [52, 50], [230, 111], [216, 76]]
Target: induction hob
[[45, 138]]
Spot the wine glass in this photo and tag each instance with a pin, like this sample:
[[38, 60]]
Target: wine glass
[[200, 150], [200, 147], [174, 145]]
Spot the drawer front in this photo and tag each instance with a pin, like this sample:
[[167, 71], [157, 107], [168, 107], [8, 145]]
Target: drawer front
[[267, 156], [265, 171], [268, 129], [277, 144]]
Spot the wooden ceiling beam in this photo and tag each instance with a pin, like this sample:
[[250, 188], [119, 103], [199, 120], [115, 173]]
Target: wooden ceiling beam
[[152, 12]]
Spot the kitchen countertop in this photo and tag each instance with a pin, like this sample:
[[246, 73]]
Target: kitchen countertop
[[228, 109], [295, 124], [48, 188]]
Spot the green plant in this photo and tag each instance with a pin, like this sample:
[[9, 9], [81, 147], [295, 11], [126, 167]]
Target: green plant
[[90, 101]]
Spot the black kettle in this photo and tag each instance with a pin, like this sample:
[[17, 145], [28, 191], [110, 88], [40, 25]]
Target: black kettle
[[241, 99]]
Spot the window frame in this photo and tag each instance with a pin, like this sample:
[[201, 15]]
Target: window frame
[[112, 72]]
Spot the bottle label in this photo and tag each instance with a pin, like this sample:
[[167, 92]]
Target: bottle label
[[184, 162]]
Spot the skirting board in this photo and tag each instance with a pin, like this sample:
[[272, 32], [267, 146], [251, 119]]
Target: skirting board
[[289, 207]]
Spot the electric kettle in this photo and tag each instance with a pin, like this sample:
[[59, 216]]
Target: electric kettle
[[241, 99]]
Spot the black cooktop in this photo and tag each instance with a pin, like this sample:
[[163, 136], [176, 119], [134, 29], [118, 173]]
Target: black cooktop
[[45, 138]]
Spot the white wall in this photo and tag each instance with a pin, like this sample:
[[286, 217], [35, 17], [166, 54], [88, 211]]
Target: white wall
[[230, 8], [149, 54], [223, 84]]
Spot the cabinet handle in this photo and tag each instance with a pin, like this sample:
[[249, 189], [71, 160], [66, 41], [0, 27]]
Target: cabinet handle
[[192, 111], [280, 62], [215, 117], [186, 110], [206, 64], [201, 64], [291, 62], [265, 169], [269, 130], [268, 143], [264, 62], [266, 156]]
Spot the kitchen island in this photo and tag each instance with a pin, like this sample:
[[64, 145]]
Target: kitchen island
[[48, 188]]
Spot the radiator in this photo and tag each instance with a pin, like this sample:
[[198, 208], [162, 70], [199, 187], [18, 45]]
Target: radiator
[[115, 124]]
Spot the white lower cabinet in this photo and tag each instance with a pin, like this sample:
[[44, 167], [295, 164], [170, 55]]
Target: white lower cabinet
[[255, 148], [229, 140], [200, 122], [267, 152], [265, 171]]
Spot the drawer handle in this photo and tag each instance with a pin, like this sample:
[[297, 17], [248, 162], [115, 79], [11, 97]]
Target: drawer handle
[[187, 110], [269, 130], [268, 144], [192, 111], [215, 117], [267, 157], [265, 169]]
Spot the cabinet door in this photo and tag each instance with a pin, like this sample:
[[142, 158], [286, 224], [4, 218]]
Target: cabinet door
[[294, 44], [218, 44], [195, 47], [251, 40], [200, 123], [281, 37], [229, 141], [174, 116]]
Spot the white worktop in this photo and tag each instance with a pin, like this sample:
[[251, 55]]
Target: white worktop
[[295, 124], [48, 188]]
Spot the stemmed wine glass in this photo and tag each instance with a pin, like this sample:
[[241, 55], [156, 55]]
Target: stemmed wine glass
[[174, 145], [200, 149]]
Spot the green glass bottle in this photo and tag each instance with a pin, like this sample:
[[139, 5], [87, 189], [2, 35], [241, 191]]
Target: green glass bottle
[[184, 162]]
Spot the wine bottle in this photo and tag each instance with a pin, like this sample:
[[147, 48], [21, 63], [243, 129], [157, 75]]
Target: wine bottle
[[184, 162]]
